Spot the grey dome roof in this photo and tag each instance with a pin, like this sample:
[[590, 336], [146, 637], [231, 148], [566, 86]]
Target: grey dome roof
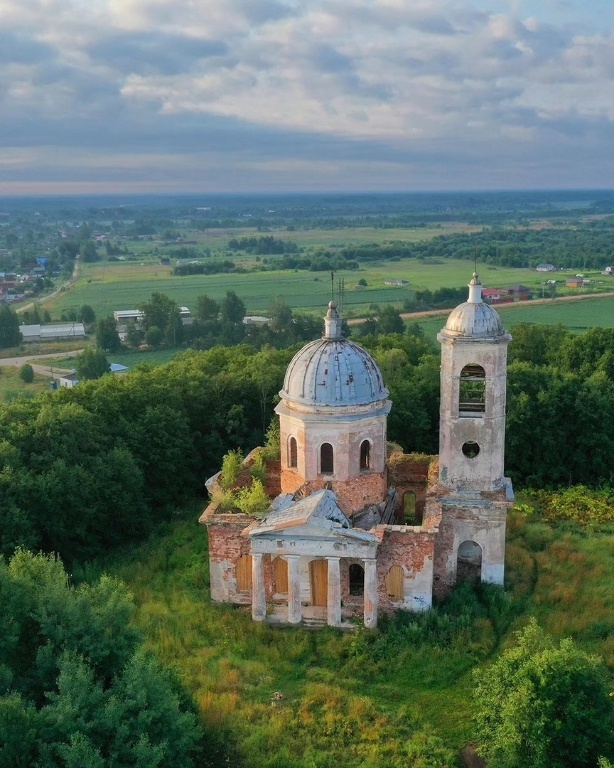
[[333, 371], [474, 318]]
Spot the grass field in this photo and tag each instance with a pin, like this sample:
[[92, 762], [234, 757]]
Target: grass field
[[11, 385], [332, 683], [578, 316], [107, 287]]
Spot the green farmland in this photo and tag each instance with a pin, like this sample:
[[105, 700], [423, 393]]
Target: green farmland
[[108, 287], [578, 316]]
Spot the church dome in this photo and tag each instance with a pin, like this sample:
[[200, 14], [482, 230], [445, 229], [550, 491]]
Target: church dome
[[333, 371], [475, 318]]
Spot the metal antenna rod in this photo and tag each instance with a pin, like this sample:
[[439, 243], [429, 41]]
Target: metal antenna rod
[[332, 285]]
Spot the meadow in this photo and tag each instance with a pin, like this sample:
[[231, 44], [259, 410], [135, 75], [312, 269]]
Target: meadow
[[299, 698], [12, 386], [108, 287], [578, 316]]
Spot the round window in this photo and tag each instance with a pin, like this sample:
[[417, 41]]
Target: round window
[[471, 449]]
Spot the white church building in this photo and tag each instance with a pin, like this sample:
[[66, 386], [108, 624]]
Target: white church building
[[354, 527]]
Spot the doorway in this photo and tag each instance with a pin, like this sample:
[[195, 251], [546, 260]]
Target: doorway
[[318, 574]]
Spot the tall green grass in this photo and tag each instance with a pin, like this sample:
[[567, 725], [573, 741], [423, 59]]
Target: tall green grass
[[299, 698]]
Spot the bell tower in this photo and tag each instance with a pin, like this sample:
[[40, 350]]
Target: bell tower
[[472, 493], [473, 384]]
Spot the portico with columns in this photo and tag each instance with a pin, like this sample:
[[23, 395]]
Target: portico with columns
[[313, 537]]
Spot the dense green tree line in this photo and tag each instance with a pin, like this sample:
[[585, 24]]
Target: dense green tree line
[[76, 689], [87, 469], [266, 244]]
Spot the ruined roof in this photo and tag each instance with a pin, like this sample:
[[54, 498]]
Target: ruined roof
[[474, 318], [333, 371], [318, 506]]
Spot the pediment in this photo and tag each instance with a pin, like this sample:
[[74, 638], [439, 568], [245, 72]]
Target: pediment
[[315, 517]]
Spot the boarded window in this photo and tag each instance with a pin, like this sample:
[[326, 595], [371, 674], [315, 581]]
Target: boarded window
[[292, 452], [394, 583], [472, 392], [280, 574], [357, 579], [244, 573], [327, 466], [365, 454]]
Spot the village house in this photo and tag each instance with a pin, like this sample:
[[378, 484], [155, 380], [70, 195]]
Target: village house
[[355, 527]]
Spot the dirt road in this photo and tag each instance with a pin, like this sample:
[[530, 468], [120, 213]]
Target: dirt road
[[44, 370], [531, 303]]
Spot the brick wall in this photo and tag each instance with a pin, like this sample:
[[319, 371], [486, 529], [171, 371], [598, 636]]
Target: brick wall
[[409, 473]]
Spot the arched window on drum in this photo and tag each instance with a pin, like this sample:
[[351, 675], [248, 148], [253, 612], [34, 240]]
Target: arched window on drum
[[327, 463], [292, 453], [365, 455]]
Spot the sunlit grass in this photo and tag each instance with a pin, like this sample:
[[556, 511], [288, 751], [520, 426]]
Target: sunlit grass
[[298, 697]]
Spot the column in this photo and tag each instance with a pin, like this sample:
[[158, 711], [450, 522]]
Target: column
[[258, 594], [370, 593], [294, 589], [333, 602]]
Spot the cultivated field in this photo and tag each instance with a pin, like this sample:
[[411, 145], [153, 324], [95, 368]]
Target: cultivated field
[[110, 286], [576, 315]]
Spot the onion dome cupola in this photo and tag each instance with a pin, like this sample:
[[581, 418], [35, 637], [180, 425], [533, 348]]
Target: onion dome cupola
[[333, 412], [473, 389]]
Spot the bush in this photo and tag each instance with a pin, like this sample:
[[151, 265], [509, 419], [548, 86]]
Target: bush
[[253, 500], [544, 704], [231, 466], [26, 373]]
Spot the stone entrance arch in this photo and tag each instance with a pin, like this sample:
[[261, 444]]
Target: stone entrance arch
[[469, 562]]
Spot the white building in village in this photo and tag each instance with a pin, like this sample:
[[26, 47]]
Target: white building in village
[[337, 541]]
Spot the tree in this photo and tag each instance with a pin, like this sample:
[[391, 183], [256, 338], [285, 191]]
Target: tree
[[280, 314], [86, 314], [232, 309], [88, 696], [154, 336], [92, 363], [390, 321], [160, 311], [544, 705], [88, 251], [206, 308], [10, 335], [107, 337], [26, 373]]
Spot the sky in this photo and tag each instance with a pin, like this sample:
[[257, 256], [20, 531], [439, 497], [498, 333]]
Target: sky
[[242, 96]]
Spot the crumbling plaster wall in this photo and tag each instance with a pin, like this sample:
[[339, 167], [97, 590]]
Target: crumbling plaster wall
[[226, 546], [412, 548], [484, 471]]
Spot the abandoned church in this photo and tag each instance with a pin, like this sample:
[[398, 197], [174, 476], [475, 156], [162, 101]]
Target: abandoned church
[[355, 527]]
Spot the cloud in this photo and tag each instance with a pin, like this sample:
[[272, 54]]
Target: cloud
[[291, 86]]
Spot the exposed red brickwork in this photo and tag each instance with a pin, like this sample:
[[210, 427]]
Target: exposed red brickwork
[[409, 548], [225, 539], [409, 473], [290, 481], [353, 495]]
